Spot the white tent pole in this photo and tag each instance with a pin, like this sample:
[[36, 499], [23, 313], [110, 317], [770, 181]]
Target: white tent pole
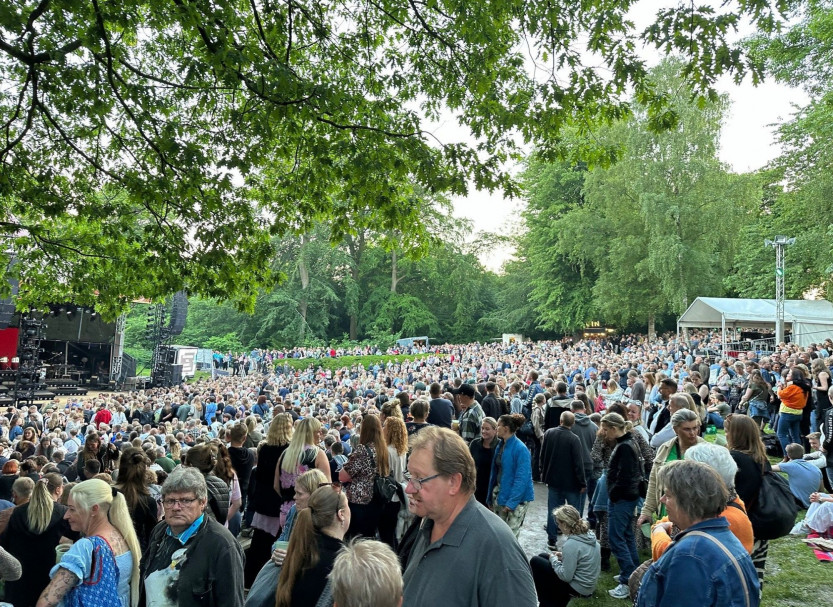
[[723, 333]]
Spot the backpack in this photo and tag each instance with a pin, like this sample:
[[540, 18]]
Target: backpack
[[773, 512], [526, 431]]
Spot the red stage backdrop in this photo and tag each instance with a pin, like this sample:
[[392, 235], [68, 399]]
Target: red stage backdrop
[[8, 342]]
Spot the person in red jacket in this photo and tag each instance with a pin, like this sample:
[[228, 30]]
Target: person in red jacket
[[102, 416]]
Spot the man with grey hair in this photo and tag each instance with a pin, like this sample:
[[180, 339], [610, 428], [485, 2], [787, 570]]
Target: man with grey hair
[[706, 565], [366, 573], [192, 560], [462, 553]]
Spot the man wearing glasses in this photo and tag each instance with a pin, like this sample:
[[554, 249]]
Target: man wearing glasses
[[191, 560], [463, 553]]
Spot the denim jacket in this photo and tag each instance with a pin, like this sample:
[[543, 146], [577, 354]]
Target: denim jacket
[[695, 572], [516, 474]]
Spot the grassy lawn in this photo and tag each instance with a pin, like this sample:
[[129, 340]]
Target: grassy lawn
[[794, 577]]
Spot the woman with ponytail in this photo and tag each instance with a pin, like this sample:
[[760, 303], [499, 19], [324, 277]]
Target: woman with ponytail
[[35, 529], [102, 568], [317, 537], [624, 474], [133, 467]]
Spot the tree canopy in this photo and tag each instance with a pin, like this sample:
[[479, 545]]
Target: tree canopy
[[151, 146]]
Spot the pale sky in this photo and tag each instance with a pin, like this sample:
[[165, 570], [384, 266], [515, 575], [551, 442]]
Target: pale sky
[[747, 144]]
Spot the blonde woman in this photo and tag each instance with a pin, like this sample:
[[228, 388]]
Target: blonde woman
[[396, 438], [266, 502], [102, 568], [35, 529], [575, 570], [302, 454], [174, 448]]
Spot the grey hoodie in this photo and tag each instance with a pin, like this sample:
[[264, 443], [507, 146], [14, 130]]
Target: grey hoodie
[[586, 431], [581, 562]]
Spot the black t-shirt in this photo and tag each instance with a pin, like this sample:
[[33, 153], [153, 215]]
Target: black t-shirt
[[242, 461]]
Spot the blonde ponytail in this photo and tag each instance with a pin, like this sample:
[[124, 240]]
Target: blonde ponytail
[[39, 513], [120, 519]]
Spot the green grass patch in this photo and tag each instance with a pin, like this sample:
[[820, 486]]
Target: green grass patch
[[340, 362]]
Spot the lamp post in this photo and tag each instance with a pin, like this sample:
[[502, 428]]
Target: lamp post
[[778, 244]]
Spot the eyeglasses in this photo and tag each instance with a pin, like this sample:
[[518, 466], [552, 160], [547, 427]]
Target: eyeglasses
[[416, 483], [336, 485], [170, 502]]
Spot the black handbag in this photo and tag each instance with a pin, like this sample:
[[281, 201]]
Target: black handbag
[[384, 488], [773, 513]]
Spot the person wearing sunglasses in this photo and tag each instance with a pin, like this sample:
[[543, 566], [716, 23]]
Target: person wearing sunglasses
[[192, 559]]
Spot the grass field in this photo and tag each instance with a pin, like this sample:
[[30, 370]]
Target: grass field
[[794, 576]]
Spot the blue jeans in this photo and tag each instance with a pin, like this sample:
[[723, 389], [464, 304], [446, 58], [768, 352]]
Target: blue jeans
[[556, 498], [789, 430], [716, 420], [586, 497], [622, 540]]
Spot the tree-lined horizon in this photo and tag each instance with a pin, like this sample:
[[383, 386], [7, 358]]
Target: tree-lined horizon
[[151, 147]]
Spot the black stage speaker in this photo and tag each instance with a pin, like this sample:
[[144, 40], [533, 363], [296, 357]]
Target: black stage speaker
[[179, 312]]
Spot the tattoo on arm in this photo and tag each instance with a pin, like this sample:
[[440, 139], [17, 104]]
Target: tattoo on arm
[[60, 585]]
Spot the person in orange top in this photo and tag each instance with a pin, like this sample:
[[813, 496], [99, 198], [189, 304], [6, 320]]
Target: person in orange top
[[735, 512]]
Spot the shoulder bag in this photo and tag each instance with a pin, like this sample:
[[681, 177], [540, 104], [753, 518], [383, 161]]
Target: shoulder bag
[[774, 510]]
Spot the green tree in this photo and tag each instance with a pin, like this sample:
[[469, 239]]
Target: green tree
[[559, 270], [150, 147], [650, 232], [800, 203]]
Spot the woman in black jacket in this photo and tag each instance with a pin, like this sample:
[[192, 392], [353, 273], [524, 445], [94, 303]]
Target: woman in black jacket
[[482, 449], [624, 474], [747, 449]]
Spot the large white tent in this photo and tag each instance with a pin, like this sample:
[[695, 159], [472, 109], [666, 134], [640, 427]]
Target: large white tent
[[811, 320]]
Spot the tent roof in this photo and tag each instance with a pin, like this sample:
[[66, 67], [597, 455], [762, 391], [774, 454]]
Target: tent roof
[[710, 311]]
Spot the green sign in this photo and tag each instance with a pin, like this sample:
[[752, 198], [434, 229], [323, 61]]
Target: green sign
[[779, 271]]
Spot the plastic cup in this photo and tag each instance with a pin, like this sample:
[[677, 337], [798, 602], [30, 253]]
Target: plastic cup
[[60, 551]]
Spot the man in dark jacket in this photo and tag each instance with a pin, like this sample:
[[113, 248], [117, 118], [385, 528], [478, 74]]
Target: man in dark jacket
[[562, 469], [441, 410], [242, 460], [192, 560], [558, 404], [491, 405]]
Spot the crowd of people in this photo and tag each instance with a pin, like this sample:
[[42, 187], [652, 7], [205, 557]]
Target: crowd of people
[[143, 497]]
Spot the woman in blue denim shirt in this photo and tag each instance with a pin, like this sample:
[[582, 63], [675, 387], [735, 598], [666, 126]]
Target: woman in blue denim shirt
[[706, 565]]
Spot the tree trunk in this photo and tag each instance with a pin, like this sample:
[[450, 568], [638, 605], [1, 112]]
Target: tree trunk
[[303, 274], [394, 279], [355, 246], [652, 332]]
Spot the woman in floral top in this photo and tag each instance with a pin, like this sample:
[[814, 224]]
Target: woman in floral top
[[369, 458]]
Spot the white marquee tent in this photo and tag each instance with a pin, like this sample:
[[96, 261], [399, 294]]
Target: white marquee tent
[[811, 320]]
